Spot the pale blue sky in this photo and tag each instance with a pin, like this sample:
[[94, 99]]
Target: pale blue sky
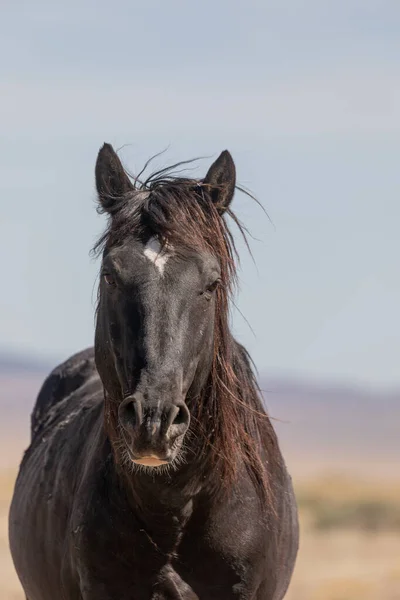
[[306, 96]]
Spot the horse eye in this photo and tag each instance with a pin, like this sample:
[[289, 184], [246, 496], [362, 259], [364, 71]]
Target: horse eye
[[211, 288], [108, 279], [214, 285]]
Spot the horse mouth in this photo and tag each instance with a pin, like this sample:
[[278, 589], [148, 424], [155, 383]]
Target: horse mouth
[[150, 461]]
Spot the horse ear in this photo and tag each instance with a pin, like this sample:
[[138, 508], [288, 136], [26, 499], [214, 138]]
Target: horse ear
[[221, 178], [111, 180]]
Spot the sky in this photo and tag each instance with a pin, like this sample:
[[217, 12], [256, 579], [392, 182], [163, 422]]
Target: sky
[[306, 96]]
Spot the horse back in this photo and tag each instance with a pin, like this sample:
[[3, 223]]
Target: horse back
[[63, 381]]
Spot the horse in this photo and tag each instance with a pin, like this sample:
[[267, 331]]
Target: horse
[[154, 471]]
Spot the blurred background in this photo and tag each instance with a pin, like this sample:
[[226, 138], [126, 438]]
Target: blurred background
[[306, 96]]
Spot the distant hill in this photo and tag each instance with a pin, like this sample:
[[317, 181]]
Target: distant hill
[[336, 426], [319, 425]]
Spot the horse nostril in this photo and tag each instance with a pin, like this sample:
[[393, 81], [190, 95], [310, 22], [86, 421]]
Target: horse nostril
[[180, 417], [130, 413]]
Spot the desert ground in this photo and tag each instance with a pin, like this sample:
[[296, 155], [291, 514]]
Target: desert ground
[[350, 540]]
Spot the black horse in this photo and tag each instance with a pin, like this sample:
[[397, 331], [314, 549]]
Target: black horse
[[153, 470]]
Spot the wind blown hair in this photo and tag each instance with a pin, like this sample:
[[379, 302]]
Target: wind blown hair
[[228, 418]]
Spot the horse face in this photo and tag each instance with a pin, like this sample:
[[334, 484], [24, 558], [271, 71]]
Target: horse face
[[156, 326]]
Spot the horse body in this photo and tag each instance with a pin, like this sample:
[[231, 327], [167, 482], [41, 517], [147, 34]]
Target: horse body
[[84, 526]]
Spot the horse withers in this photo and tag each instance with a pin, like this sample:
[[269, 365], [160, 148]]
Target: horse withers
[[154, 471]]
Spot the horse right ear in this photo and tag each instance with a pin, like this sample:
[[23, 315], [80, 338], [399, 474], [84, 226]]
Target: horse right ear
[[221, 178], [111, 180]]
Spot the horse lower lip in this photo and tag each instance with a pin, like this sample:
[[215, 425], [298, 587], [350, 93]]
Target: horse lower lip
[[150, 461]]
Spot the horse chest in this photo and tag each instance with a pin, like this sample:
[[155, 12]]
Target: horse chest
[[131, 564], [156, 578]]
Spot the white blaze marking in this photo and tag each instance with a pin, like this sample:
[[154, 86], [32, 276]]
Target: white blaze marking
[[154, 253]]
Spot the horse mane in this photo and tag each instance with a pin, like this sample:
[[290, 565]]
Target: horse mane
[[231, 423]]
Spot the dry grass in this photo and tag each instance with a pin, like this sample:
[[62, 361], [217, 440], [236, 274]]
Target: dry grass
[[342, 563], [343, 503], [343, 557], [9, 584], [347, 565]]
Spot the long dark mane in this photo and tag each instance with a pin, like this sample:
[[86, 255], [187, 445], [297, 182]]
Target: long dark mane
[[229, 418]]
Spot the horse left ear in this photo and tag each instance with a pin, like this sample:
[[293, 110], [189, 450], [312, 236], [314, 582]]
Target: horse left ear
[[111, 180], [221, 178]]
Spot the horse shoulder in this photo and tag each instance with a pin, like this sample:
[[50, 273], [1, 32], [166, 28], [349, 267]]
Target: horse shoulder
[[246, 540]]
